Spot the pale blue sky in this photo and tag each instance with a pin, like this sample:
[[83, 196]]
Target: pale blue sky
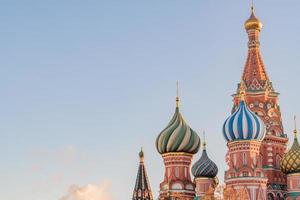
[[85, 84]]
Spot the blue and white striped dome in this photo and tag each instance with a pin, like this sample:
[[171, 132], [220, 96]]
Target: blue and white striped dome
[[244, 124]]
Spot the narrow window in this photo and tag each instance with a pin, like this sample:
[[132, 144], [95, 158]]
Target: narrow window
[[244, 159], [234, 159], [177, 172]]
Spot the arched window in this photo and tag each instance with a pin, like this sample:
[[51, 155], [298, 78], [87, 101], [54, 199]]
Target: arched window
[[185, 172], [245, 173], [279, 197], [271, 196], [258, 174]]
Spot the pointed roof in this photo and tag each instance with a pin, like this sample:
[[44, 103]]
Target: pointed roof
[[255, 77], [142, 190]]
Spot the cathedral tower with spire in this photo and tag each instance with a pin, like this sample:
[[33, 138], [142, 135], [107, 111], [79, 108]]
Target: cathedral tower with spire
[[259, 165], [244, 132], [142, 190], [177, 144], [262, 99]]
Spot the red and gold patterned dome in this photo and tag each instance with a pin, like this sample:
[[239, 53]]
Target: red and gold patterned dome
[[253, 23]]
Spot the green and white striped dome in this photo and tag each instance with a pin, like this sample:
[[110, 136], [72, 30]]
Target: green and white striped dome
[[178, 137]]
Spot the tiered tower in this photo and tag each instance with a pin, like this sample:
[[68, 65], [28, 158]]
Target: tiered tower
[[205, 172], [177, 143], [142, 190], [290, 165], [263, 100], [245, 178]]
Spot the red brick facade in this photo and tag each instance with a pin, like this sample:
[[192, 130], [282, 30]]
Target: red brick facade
[[263, 100], [177, 179]]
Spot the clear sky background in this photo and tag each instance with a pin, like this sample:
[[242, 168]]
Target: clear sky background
[[85, 84]]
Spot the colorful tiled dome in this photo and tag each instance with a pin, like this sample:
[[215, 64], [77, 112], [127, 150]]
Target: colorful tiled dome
[[243, 124], [205, 167], [177, 136], [290, 162]]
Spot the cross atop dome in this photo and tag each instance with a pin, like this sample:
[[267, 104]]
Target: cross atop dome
[[295, 129], [177, 95], [255, 91]]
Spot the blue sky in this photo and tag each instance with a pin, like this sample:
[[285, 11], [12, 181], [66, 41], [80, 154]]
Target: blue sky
[[85, 84]]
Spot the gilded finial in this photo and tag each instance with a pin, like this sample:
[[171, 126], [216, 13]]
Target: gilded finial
[[204, 140], [253, 23], [242, 95], [295, 128], [252, 5], [141, 155], [177, 95]]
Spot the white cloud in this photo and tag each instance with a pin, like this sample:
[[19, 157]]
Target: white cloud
[[89, 192]]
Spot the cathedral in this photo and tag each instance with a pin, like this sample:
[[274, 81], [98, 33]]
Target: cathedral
[[259, 164]]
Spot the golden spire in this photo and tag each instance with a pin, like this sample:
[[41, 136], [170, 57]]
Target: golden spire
[[177, 95], [242, 95], [204, 141], [295, 128]]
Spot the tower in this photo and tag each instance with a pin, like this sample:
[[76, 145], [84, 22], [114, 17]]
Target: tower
[[142, 190], [245, 178], [290, 165], [205, 172], [177, 144], [263, 100]]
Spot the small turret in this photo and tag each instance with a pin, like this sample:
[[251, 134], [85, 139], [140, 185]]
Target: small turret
[[205, 172], [142, 189]]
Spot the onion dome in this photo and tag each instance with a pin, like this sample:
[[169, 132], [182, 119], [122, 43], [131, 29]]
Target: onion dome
[[204, 167], [290, 162], [243, 124], [253, 22], [177, 136]]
